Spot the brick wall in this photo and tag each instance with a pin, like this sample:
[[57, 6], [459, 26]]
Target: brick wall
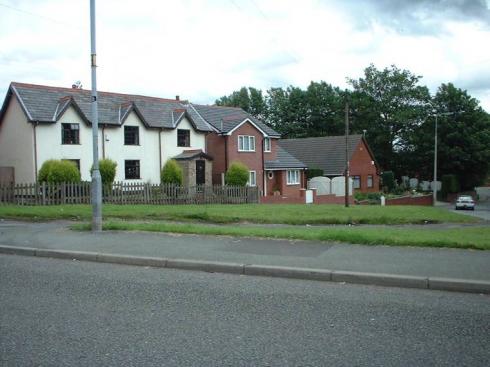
[[411, 200], [215, 147], [361, 165]]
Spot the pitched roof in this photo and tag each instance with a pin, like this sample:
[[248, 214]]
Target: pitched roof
[[326, 152], [225, 119], [284, 160], [191, 154]]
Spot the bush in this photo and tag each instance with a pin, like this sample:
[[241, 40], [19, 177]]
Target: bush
[[237, 174], [313, 172], [171, 173], [107, 169], [388, 179], [449, 185], [57, 171]]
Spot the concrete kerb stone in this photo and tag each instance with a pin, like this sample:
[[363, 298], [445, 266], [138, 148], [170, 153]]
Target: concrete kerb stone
[[64, 254], [208, 266], [155, 262], [288, 272], [459, 285], [391, 280], [14, 250]]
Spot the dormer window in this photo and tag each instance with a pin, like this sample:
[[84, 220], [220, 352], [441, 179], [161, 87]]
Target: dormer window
[[70, 133], [131, 135], [183, 138]]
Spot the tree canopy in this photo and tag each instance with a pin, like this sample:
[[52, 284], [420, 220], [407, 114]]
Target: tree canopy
[[396, 113]]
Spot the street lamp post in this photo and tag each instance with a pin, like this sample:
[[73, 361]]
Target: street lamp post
[[96, 179]]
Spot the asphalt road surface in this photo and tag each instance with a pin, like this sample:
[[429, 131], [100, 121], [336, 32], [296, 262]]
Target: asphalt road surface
[[69, 313]]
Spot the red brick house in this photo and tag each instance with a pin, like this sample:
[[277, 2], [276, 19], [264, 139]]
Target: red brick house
[[237, 136], [328, 154]]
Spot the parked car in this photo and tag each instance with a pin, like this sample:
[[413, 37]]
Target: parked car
[[465, 202]]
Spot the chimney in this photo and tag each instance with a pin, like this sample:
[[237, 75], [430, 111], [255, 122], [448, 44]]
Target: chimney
[[177, 98], [74, 86]]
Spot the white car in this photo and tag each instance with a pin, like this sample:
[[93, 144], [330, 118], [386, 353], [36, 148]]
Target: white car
[[465, 202]]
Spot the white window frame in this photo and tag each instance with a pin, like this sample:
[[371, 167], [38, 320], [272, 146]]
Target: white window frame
[[267, 145], [246, 141], [251, 182], [293, 177], [370, 178]]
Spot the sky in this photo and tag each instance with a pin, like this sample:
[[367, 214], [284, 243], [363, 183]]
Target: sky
[[202, 50]]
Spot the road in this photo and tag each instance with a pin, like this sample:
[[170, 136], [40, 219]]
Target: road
[[482, 210], [70, 313]]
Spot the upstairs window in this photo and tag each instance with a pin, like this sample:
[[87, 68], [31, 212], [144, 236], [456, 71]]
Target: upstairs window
[[267, 144], [132, 169], [131, 135], [293, 177], [246, 143], [70, 133], [183, 138]]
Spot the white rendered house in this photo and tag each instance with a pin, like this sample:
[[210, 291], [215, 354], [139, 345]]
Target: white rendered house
[[38, 123]]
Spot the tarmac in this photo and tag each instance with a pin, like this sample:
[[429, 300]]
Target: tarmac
[[412, 267]]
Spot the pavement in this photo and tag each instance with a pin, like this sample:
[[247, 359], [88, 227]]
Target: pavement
[[413, 267]]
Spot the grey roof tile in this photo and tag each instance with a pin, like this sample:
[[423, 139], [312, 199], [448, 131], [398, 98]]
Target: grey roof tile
[[284, 160], [326, 152]]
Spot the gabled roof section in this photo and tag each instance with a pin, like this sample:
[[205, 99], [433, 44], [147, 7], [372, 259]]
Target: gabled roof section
[[284, 160], [192, 154], [326, 152], [126, 109], [63, 104], [226, 119]]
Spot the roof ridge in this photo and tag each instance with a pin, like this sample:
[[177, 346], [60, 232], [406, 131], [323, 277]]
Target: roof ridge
[[60, 89]]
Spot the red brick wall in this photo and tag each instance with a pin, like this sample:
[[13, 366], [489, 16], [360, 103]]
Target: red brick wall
[[215, 147], [411, 200], [361, 165], [253, 160]]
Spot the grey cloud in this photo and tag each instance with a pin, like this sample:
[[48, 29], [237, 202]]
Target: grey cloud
[[416, 16]]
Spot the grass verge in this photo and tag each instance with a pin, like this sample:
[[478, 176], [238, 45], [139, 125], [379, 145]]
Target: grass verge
[[467, 238], [254, 213]]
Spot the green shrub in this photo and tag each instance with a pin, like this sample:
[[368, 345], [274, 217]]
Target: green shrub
[[107, 169], [313, 172], [388, 179], [237, 174], [449, 185], [171, 173], [57, 171]]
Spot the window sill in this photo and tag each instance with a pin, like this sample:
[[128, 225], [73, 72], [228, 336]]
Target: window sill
[[70, 144], [292, 184], [246, 151]]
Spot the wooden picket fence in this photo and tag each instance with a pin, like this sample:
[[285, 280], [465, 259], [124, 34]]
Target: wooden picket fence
[[125, 193]]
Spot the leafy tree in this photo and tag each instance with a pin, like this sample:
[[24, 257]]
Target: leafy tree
[[171, 173], [388, 180], [249, 99], [57, 171], [389, 104], [107, 168], [237, 174], [463, 138]]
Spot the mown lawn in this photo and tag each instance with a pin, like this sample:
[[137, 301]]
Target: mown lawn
[[466, 237], [253, 213]]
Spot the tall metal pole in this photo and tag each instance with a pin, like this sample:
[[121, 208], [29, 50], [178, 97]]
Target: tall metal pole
[[347, 154], [434, 184], [96, 179]]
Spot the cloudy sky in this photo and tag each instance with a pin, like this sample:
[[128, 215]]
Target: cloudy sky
[[203, 49]]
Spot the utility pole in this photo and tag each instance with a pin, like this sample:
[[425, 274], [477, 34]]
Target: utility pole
[[96, 179], [434, 187], [346, 154]]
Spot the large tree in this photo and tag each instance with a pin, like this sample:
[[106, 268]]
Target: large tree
[[463, 138], [388, 104]]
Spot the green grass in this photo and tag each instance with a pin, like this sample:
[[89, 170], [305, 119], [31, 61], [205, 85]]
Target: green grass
[[468, 237], [253, 213]]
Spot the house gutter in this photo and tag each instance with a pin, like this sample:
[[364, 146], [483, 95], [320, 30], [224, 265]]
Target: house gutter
[[160, 150], [103, 141], [264, 193]]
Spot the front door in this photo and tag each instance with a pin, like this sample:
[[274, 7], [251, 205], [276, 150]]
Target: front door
[[200, 172]]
